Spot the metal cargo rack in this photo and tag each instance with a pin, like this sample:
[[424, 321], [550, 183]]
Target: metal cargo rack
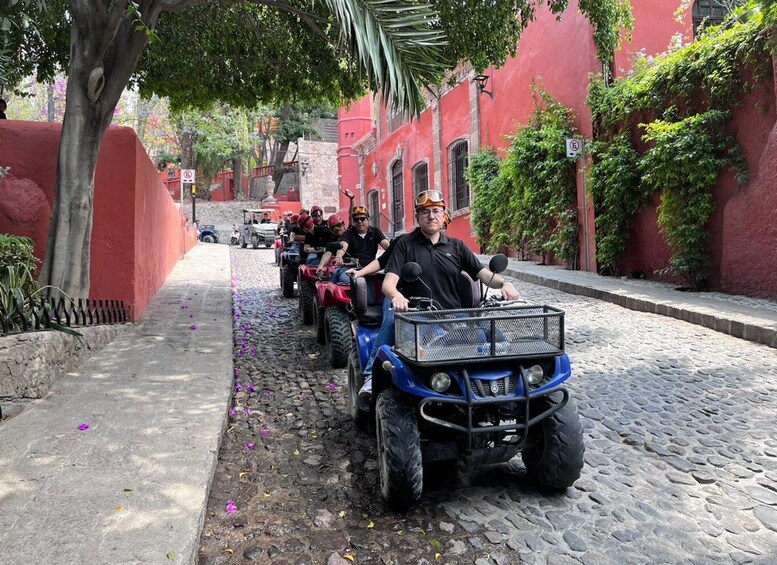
[[482, 334]]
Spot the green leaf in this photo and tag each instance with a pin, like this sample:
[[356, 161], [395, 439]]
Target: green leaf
[[171, 555]]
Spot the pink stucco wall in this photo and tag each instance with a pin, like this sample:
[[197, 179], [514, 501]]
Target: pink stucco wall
[[138, 234]]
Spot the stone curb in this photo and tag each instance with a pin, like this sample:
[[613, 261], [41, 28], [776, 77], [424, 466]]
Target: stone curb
[[722, 324]]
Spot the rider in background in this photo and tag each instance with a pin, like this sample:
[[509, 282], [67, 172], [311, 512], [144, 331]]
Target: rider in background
[[442, 259], [360, 241]]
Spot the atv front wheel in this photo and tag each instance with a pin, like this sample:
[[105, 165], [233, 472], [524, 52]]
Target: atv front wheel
[[287, 281], [338, 336], [554, 451], [399, 451], [208, 239], [359, 409], [307, 293]]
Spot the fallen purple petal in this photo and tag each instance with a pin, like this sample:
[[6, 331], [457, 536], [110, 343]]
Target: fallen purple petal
[[250, 445], [269, 392], [246, 411], [251, 388], [232, 412], [231, 507], [238, 386], [83, 427], [331, 386], [264, 432]]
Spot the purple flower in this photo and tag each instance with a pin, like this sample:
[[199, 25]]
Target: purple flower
[[251, 388], [246, 411], [236, 372], [250, 445], [191, 315], [231, 507], [232, 412], [264, 432], [193, 327], [238, 386], [83, 427], [331, 386], [184, 307]]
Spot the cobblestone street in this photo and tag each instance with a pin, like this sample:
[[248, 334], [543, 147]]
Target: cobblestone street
[[680, 467]]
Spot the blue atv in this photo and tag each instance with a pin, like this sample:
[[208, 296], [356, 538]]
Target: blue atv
[[478, 385], [208, 234]]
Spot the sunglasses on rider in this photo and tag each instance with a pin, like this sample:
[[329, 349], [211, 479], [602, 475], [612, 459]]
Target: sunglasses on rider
[[360, 219], [428, 197], [317, 213]]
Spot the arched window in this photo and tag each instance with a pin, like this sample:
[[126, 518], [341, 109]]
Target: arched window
[[420, 178], [397, 196], [706, 13], [458, 157]]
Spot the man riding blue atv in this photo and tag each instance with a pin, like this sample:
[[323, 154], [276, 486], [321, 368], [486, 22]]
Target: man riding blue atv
[[467, 379]]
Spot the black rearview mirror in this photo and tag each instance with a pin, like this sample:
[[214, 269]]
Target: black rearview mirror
[[497, 264], [410, 272]]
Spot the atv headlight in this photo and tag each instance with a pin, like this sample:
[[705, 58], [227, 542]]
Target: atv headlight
[[534, 374], [441, 382]]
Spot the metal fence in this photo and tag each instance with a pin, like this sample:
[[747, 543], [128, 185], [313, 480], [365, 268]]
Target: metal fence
[[39, 314]]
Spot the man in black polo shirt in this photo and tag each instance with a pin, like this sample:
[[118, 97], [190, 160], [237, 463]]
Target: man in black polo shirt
[[442, 258], [360, 241]]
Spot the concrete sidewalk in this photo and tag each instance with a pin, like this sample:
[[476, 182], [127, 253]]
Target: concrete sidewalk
[[133, 487], [747, 318]]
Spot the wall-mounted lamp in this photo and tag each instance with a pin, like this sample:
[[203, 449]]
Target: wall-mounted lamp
[[481, 81], [374, 169], [400, 151], [304, 165]]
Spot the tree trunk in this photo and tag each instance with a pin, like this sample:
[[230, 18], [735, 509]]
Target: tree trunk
[[50, 101], [237, 175], [104, 51]]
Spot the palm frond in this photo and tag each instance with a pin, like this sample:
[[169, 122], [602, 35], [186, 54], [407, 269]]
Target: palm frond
[[396, 44]]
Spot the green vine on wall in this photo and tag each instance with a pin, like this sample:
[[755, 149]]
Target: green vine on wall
[[608, 18], [675, 110], [528, 201]]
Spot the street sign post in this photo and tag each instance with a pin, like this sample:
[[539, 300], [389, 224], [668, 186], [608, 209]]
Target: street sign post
[[576, 150], [188, 176]]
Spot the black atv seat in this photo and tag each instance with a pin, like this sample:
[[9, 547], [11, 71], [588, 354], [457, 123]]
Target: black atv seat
[[367, 299], [469, 291]]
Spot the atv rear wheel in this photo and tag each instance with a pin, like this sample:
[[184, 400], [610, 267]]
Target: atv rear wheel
[[319, 321], [359, 409], [307, 293], [255, 241], [399, 451], [554, 452], [208, 239], [288, 277], [338, 336]]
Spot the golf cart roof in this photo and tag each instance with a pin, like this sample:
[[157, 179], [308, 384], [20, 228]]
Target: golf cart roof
[[258, 210]]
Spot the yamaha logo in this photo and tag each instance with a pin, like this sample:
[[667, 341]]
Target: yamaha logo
[[494, 389]]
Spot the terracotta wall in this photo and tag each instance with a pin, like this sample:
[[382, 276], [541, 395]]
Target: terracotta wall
[[138, 233]]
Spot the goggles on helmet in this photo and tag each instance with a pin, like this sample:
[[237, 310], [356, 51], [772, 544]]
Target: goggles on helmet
[[429, 198], [360, 210]]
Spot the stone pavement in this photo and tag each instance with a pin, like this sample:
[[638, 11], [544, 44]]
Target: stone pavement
[[133, 487], [747, 318]]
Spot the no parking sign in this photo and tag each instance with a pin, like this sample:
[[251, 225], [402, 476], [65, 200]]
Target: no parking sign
[[574, 147], [187, 176]]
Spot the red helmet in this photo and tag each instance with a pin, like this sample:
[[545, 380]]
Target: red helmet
[[315, 209], [308, 223], [334, 220], [294, 219]]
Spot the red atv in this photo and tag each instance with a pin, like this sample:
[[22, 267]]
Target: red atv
[[307, 278], [333, 326]]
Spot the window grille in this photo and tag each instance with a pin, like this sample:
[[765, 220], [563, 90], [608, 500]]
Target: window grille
[[420, 178], [397, 196], [458, 157]]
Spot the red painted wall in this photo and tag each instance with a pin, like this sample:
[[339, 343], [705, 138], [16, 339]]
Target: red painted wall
[[353, 123], [138, 234]]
